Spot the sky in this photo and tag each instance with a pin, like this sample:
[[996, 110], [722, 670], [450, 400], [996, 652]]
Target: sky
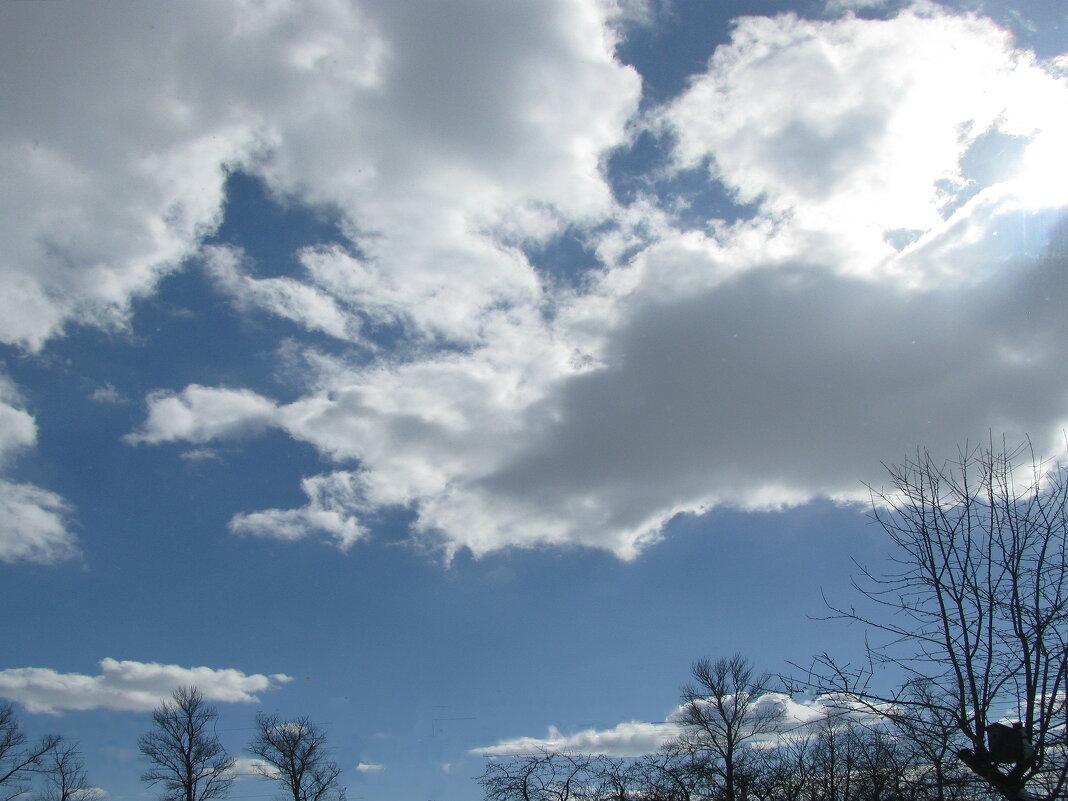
[[456, 374]]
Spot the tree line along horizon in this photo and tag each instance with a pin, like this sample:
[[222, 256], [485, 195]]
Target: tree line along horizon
[[185, 757], [972, 615]]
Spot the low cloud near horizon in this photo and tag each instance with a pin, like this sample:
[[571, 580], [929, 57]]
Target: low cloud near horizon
[[792, 718], [129, 686]]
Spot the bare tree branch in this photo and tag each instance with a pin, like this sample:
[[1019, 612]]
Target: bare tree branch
[[64, 774], [977, 598], [184, 754], [20, 760], [720, 718], [296, 756]]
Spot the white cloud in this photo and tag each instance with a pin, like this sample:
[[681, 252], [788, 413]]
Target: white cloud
[[787, 115], [18, 430], [880, 297], [91, 793], [107, 394], [628, 739], [369, 767], [284, 297], [245, 767], [636, 738], [34, 525], [33, 521], [199, 414], [129, 685], [201, 455], [776, 387], [422, 125], [109, 188], [333, 510]]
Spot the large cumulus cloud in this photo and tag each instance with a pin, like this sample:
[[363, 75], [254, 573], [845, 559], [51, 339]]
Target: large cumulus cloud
[[424, 125], [424, 129], [881, 296], [857, 133], [881, 289]]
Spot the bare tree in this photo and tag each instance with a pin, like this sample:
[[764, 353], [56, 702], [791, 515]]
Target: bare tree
[[542, 776], [295, 755], [183, 751], [783, 773], [828, 762], [618, 779], [930, 734], [663, 777], [63, 770], [978, 623], [720, 718], [20, 760]]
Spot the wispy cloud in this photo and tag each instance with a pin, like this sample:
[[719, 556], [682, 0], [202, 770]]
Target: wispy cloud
[[629, 739], [792, 718]]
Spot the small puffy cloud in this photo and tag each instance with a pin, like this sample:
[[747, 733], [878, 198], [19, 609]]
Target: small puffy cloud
[[370, 767], [18, 430], [333, 510], [790, 711], [33, 521], [129, 685], [107, 394], [201, 455], [199, 414], [33, 525]]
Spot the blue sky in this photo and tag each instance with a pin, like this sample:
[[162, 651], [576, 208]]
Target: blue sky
[[457, 374]]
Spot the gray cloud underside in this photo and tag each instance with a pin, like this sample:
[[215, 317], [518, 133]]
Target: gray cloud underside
[[778, 386], [758, 365], [795, 379], [881, 296]]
